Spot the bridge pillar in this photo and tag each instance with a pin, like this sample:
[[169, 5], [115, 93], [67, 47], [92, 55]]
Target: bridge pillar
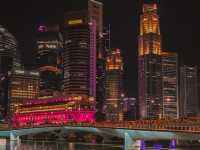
[[128, 142], [132, 144], [14, 137], [14, 141]]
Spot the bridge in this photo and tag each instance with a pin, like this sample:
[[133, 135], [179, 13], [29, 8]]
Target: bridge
[[130, 131]]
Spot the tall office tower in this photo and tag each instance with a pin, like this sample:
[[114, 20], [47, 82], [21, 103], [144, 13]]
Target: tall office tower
[[189, 105], [22, 85], [149, 64], [8, 60], [79, 55], [170, 85], [198, 78], [94, 10], [114, 70], [49, 59]]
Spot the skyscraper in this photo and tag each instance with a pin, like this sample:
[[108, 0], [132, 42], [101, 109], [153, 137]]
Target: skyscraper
[[94, 12], [8, 60], [170, 85], [22, 85], [189, 105], [149, 64], [49, 59], [79, 55], [114, 70]]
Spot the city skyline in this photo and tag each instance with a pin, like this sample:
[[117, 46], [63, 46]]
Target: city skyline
[[123, 74], [173, 25]]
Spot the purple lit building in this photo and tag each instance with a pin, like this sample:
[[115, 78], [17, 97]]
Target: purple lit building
[[94, 11]]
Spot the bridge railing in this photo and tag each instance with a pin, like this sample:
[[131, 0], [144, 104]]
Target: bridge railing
[[157, 125]]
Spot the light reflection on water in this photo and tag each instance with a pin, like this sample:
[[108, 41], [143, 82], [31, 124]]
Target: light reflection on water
[[44, 145]]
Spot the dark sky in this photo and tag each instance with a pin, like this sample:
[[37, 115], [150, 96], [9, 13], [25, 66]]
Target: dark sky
[[180, 28]]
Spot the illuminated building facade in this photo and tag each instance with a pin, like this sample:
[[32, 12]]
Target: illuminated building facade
[[9, 58], [149, 64], [129, 108], [54, 111], [114, 70], [170, 85], [189, 104], [22, 85], [79, 55], [49, 59], [94, 12]]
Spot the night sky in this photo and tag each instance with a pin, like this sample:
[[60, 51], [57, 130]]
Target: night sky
[[180, 28]]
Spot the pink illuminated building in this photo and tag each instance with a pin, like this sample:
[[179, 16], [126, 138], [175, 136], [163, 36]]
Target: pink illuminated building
[[54, 111]]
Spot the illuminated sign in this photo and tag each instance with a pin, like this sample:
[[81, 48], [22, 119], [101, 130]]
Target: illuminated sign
[[41, 46], [76, 21], [34, 73], [19, 72]]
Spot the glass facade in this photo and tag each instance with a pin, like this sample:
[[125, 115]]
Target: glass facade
[[79, 55], [114, 70], [170, 85], [22, 85], [9, 58], [149, 64], [94, 12], [49, 59], [189, 104]]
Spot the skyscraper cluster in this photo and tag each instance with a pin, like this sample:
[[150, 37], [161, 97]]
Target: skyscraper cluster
[[162, 94], [9, 59], [79, 77], [74, 65]]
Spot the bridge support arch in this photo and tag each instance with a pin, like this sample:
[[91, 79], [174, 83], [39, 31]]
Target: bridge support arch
[[14, 137], [130, 143], [14, 140]]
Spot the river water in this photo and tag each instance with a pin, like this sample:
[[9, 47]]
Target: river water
[[52, 145]]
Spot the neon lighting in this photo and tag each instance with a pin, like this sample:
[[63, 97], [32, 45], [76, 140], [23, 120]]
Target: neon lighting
[[143, 145], [92, 83], [42, 28], [75, 22], [19, 71], [114, 60], [157, 147], [55, 118], [56, 100], [54, 111], [172, 144]]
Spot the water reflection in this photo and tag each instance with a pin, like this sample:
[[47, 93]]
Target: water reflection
[[29, 145], [50, 145]]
